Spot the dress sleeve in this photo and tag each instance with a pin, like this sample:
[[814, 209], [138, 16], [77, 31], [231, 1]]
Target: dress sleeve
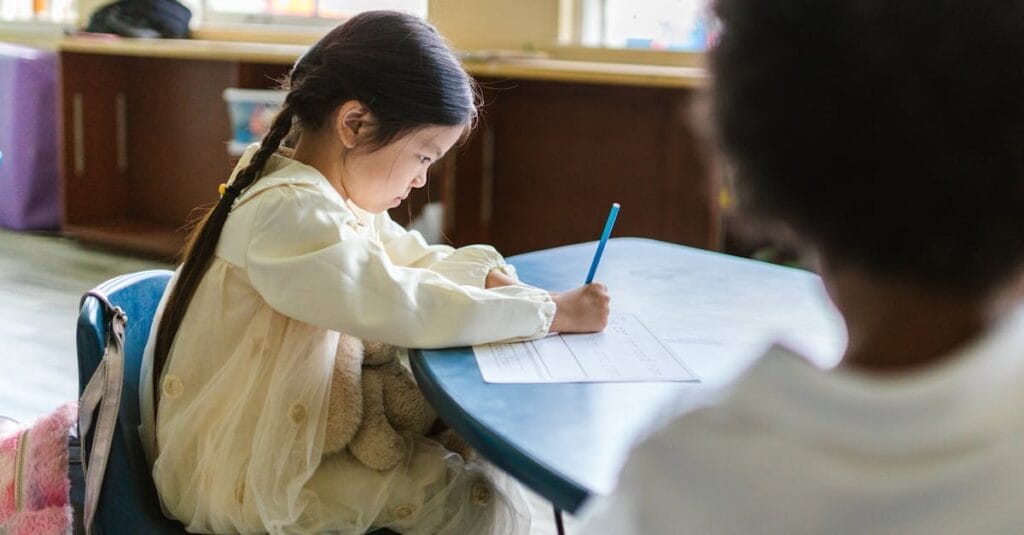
[[407, 247], [309, 264], [467, 265]]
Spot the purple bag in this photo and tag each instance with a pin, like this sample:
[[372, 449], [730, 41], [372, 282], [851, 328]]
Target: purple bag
[[29, 189]]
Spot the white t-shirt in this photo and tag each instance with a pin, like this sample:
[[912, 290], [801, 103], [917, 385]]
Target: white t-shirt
[[237, 446], [790, 448]]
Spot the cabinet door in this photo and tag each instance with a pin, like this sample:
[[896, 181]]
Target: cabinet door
[[548, 159], [145, 146], [93, 126]]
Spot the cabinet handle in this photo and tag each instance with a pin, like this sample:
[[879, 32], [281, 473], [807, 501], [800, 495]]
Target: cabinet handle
[[77, 136], [487, 179], [448, 196], [121, 112]]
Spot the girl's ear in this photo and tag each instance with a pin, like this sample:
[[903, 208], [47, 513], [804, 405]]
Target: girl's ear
[[352, 122]]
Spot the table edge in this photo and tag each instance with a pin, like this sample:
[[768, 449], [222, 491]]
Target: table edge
[[568, 495]]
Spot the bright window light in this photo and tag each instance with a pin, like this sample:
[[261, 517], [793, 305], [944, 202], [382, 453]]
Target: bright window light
[[655, 24]]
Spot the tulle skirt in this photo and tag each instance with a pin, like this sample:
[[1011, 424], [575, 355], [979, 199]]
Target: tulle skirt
[[237, 443], [434, 492]]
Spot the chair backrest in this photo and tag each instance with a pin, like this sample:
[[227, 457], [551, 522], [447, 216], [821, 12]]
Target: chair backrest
[[128, 500]]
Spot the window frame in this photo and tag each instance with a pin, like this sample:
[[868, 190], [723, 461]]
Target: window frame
[[45, 20], [212, 16], [216, 17], [589, 26]]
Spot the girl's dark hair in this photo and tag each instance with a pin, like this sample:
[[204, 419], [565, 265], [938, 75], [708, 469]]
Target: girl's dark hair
[[890, 134], [396, 65]]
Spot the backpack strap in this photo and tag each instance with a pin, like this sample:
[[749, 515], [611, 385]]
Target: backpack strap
[[103, 392]]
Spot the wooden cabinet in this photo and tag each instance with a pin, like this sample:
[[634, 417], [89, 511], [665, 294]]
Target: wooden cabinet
[[144, 145], [549, 158], [145, 132]]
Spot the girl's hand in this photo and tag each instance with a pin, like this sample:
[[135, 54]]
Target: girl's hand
[[581, 310]]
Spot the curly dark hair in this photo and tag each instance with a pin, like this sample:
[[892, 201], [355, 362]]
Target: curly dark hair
[[888, 134]]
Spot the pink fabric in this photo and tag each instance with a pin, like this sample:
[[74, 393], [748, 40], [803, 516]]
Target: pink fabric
[[44, 484]]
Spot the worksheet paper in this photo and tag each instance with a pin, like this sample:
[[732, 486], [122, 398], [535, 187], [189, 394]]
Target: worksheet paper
[[626, 351]]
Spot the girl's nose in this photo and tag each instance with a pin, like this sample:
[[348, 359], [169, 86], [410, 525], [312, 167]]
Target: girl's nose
[[419, 181]]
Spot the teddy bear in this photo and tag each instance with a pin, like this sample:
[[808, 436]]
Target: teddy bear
[[375, 403]]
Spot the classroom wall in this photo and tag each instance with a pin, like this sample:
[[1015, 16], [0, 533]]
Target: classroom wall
[[86, 8], [45, 37], [490, 24], [469, 25]]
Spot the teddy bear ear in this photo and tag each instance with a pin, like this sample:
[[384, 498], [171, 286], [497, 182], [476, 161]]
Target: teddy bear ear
[[455, 443], [350, 345], [379, 353]]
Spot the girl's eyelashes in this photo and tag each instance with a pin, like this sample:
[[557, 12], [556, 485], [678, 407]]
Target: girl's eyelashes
[[424, 159]]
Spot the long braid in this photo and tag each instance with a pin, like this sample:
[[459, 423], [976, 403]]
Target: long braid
[[202, 244]]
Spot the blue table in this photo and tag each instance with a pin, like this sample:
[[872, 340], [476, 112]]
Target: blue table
[[717, 312]]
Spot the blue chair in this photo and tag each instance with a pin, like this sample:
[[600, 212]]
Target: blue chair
[[128, 501]]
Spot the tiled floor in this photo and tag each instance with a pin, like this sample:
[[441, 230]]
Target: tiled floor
[[41, 279]]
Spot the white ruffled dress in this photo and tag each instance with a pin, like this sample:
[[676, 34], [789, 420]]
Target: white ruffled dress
[[237, 443]]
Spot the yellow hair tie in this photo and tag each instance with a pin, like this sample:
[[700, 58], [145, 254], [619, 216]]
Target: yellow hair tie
[[221, 189]]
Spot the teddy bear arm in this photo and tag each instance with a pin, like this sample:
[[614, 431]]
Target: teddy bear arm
[[345, 402], [404, 404], [376, 444], [344, 409]]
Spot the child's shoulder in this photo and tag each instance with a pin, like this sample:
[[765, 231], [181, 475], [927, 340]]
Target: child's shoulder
[[288, 181]]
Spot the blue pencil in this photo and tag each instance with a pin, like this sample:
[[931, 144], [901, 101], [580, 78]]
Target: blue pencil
[[604, 239]]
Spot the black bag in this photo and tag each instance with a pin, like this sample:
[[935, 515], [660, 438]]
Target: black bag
[[142, 18], [77, 477]]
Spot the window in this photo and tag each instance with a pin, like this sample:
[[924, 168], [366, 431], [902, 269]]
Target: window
[[683, 25], [240, 11], [295, 11], [57, 11]]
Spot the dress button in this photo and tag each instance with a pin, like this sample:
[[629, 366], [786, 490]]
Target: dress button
[[404, 511], [297, 413], [480, 493], [173, 386]]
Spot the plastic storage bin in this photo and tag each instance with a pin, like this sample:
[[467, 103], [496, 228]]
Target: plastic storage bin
[[252, 111], [29, 188]]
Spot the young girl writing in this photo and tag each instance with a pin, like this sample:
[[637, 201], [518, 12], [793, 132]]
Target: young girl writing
[[299, 255]]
